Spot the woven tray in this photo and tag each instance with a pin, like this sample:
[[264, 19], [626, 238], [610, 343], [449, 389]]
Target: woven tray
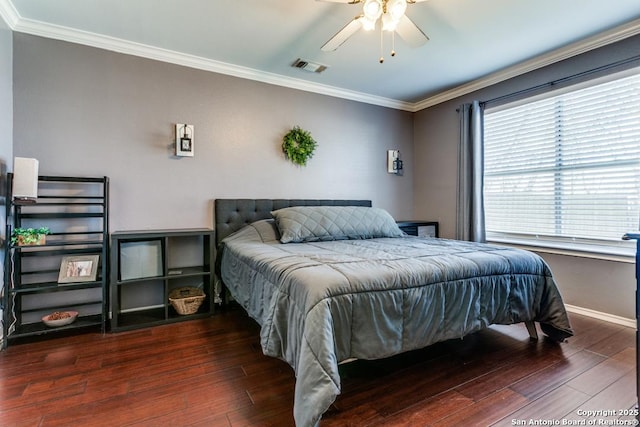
[[186, 300]]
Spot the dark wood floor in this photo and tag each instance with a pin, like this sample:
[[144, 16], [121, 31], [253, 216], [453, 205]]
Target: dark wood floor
[[211, 372]]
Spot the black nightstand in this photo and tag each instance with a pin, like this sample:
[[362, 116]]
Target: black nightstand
[[419, 228]]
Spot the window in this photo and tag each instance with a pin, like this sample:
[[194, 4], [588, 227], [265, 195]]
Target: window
[[564, 170]]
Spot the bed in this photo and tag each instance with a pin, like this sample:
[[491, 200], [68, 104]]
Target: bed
[[334, 280]]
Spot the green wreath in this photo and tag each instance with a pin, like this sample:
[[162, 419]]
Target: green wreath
[[298, 146]]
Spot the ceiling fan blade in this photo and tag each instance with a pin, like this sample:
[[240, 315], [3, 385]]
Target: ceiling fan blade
[[410, 32], [350, 29]]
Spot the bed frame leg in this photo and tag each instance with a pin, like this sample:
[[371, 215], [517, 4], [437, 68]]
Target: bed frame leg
[[531, 328]]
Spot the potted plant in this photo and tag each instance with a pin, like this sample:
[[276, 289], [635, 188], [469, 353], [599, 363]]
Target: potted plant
[[298, 146], [29, 236]]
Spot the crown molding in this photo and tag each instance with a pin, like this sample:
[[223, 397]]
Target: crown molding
[[614, 35], [52, 31], [23, 25], [9, 13]]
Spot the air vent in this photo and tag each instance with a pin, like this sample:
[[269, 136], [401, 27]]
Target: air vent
[[309, 66]]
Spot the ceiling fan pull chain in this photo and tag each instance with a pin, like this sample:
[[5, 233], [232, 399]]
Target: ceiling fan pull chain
[[393, 43], [381, 45]]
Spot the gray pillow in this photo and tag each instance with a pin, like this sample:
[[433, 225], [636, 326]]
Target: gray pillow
[[266, 229], [316, 223]]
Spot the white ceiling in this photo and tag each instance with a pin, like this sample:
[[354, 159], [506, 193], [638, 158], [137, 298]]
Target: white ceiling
[[473, 42]]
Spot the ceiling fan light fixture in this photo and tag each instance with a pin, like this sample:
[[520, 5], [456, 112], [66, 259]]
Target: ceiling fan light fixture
[[396, 8], [368, 24], [388, 23], [392, 20], [372, 9]]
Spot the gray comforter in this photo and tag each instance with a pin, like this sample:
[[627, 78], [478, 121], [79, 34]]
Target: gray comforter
[[325, 302]]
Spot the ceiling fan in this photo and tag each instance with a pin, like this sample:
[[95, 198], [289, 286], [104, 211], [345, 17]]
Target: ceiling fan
[[391, 13]]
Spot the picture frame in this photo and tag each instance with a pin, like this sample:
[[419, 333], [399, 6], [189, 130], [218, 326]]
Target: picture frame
[[141, 258], [80, 268]]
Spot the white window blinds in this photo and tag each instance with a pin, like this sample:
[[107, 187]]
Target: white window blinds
[[566, 168]]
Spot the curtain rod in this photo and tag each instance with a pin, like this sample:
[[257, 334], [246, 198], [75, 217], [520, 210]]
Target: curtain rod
[[564, 79]]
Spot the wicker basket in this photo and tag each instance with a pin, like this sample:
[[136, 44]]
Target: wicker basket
[[186, 300]]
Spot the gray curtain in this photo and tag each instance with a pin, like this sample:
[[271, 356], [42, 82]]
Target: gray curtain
[[470, 207]]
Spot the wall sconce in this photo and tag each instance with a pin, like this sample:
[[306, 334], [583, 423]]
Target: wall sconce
[[184, 140], [394, 164]]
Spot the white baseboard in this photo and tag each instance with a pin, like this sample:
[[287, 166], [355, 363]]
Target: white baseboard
[[612, 318]]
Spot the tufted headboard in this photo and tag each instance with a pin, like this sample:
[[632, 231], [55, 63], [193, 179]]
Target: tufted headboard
[[233, 214]]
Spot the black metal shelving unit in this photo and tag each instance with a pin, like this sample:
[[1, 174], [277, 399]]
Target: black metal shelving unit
[[181, 258], [76, 210]]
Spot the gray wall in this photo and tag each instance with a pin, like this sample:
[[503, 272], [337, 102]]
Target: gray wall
[[606, 286], [6, 123], [6, 94], [85, 111]]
